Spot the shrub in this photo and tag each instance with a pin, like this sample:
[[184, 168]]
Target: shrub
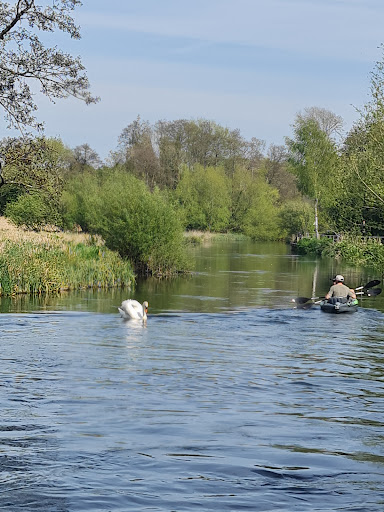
[[313, 245], [32, 211], [140, 225], [296, 216]]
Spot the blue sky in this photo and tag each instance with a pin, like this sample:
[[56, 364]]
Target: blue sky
[[247, 64]]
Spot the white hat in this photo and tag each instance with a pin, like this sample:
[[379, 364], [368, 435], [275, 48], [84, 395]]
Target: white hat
[[339, 278]]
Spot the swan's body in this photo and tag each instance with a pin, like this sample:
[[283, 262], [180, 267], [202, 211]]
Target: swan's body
[[131, 309]]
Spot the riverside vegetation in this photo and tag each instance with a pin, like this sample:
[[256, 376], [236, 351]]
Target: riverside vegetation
[[352, 249], [47, 262]]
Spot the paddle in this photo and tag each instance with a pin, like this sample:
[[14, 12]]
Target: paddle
[[366, 288], [371, 284], [303, 300], [373, 292]]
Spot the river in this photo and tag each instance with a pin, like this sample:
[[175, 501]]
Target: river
[[228, 399]]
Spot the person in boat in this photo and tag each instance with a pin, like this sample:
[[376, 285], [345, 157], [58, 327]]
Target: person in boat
[[339, 292]]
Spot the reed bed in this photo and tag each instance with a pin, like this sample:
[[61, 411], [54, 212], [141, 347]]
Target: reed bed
[[51, 262]]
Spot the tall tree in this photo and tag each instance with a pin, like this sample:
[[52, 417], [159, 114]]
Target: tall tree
[[137, 154], [313, 160], [330, 123], [204, 196], [25, 59], [85, 156], [277, 173]]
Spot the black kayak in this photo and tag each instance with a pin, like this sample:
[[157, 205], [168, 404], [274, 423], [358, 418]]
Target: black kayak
[[347, 307]]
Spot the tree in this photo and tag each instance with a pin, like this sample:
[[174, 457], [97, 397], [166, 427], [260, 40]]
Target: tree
[[327, 121], [26, 60], [137, 154], [141, 225], [277, 173], [34, 164], [85, 156], [296, 216], [313, 159], [254, 206], [362, 158], [35, 168], [204, 196]]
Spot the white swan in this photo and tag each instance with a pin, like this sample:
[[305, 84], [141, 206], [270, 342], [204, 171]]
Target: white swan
[[131, 309]]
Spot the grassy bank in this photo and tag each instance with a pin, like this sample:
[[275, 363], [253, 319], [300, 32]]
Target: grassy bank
[[51, 262]]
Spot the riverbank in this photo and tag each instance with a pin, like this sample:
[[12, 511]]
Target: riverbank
[[354, 250], [51, 261]]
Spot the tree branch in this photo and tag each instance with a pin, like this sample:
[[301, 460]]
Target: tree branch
[[354, 165], [19, 14]]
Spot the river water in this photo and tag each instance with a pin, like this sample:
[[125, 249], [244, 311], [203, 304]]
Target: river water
[[229, 399]]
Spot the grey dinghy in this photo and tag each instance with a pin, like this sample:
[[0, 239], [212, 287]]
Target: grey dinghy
[[339, 307]]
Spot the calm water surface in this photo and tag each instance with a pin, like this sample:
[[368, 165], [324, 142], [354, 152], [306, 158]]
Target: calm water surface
[[228, 400]]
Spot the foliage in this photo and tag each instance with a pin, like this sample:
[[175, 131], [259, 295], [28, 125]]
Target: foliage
[[141, 225], [261, 221], [362, 162], [204, 196], [32, 211], [80, 201], [254, 206], [159, 153], [26, 59], [354, 250], [368, 252], [313, 245], [33, 268], [35, 164], [328, 122], [8, 194], [85, 157], [296, 217], [313, 159], [278, 175]]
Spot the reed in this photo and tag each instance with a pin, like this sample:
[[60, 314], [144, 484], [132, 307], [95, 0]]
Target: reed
[[36, 263]]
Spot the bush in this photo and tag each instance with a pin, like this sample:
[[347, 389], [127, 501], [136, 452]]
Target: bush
[[359, 252], [32, 211], [139, 225], [296, 216], [313, 245]]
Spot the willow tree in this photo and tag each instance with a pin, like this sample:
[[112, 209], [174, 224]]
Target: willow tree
[[27, 62], [313, 159]]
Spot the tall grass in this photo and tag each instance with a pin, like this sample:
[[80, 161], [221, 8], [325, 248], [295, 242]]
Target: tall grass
[[48, 263]]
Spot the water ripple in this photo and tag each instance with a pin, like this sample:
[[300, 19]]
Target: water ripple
[[261, 410]]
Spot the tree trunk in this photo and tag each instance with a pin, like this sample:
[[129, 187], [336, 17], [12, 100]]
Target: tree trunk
[[316, 219]]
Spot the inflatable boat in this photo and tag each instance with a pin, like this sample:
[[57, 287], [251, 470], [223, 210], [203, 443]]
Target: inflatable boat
[[339, 307]]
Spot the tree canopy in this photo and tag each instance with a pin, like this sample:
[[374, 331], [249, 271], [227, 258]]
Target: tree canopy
[[26, 61]]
